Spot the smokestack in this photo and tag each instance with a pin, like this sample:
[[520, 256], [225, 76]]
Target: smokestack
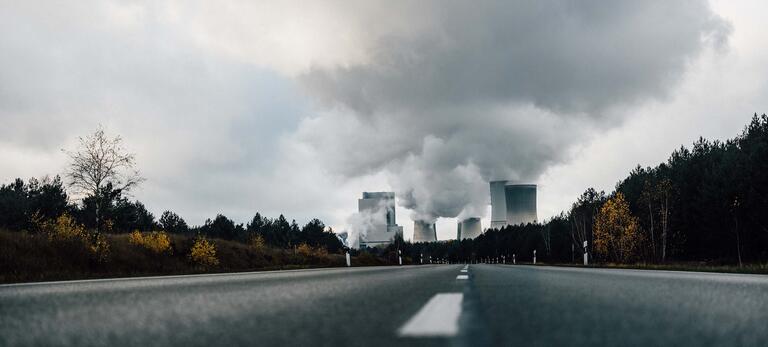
[[469, 228], [512, 204], [378, 226], [521, 203], [424, 231], [498, 205]]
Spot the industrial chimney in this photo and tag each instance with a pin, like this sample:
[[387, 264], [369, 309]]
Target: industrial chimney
[[424, 231], [512, 204], [469, 228]]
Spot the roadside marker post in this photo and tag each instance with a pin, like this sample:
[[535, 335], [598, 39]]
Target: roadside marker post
[[586, 256], [513, 260], [399, 257], [534, 257], [349, 260]]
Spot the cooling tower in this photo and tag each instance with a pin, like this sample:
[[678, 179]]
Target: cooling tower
[[498, 205], [469, 228], [384, 227], [512, 204], [424, 232], [376, 200], [520, 203]]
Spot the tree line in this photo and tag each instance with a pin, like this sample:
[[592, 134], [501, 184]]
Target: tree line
[[706, 203], [24, 204], [103, 172]]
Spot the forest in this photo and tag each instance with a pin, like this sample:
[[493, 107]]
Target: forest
[[708, 203]]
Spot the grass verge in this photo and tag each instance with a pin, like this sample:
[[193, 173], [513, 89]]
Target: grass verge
[[26, 257]]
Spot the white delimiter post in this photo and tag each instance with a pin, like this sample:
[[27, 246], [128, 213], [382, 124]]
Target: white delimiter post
[[349, 260], [534, 257], [513, 260], [586, 257]]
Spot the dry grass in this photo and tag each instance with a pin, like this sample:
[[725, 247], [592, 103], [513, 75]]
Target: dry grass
[[28, 257]]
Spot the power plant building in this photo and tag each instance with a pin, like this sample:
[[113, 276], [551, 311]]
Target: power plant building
[[469, 228], [381, 206], [512, 204], [424, 231]]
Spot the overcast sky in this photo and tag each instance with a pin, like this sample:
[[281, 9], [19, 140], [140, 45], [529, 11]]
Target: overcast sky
[[298, 107]]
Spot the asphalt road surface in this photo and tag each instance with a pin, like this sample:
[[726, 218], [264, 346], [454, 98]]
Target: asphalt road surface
[[496, 305]]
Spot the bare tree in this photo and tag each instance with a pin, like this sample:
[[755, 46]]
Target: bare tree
[[546, 235], [664, 190], [648, 196], [100, 161]]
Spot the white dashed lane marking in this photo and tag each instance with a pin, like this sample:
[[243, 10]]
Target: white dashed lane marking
[[462, 277], [439, 317]]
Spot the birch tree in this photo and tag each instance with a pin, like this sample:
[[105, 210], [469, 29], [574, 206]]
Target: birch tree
[[98, 162]]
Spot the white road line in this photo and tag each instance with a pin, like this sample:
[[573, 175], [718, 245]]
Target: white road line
[[463, 270], [438, 317], [462, 277]]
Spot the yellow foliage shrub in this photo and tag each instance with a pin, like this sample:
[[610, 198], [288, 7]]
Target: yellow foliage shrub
[[135, 238], [100, 248], [304, 249], [203, 253], [156, 241], [258, 243], [65, 228], [321, 252], [617, 232]]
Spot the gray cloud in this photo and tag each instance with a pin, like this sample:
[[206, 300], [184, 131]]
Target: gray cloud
[[565, 56], [497, 89], [435, 97], [203, 126]]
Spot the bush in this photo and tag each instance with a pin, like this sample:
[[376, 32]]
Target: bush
[[100, 248], [64, 228], [321, 252], [156, 241], [305, 250], [258, 243], [203, 253]]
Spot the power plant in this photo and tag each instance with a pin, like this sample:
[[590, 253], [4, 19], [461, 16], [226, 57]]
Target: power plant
[[381, 207], [424, 231], [512, 204], [469, 228]]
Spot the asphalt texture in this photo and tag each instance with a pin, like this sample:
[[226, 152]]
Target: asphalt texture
[[503, 305]]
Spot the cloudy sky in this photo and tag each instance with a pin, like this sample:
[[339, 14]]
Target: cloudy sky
[[297, 107]]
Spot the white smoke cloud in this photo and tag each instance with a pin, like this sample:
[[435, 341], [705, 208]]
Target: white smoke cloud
[[473, 92], [366, 222]]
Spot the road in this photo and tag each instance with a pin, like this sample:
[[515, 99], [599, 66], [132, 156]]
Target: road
[[384, 306]]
